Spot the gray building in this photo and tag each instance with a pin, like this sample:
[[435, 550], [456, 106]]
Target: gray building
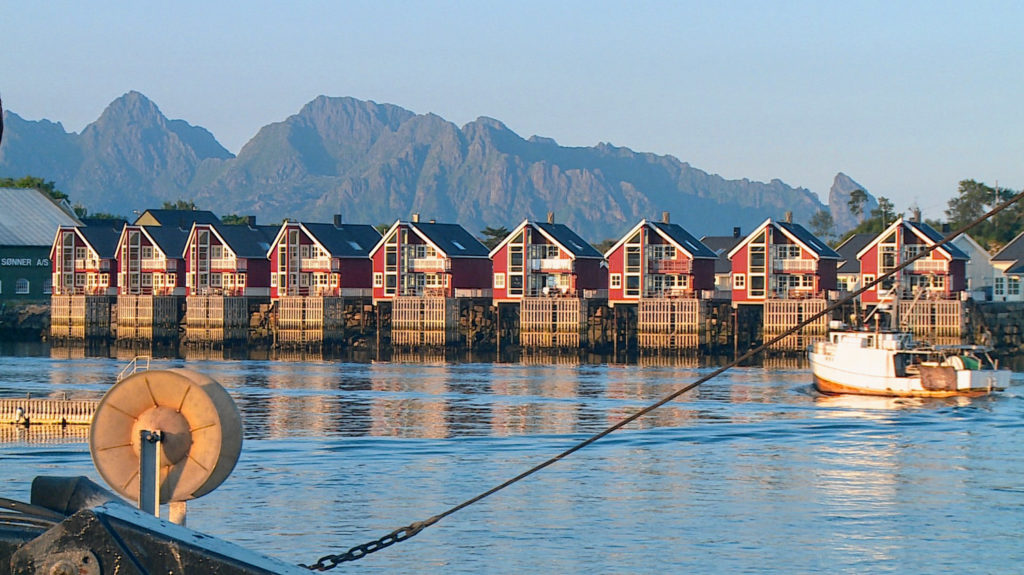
[[28, 223]]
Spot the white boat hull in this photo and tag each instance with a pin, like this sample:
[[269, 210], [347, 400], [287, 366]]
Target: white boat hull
[[848, 369]]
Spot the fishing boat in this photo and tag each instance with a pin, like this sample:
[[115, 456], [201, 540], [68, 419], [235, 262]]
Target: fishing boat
[[892, 363]]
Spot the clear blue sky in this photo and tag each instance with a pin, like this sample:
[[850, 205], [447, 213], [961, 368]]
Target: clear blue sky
[[907, 98]]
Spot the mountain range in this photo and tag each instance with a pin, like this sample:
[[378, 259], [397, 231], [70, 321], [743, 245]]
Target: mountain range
[[375, 163]]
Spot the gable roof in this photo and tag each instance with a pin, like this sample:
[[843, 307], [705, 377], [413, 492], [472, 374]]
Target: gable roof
[[180, 218], [29, 217], [346, 240], [685, 240], [170, 239], [102, 235], [921, 230], [452, 239], [675, 234], [848, 250], [1011, 252], [244, 240], [798, 234], [568, 240]]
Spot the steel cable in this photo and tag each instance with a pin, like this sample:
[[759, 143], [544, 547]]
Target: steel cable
[[358, 552]]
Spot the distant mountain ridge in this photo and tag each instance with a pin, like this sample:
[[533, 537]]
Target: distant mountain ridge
[[375, 163]]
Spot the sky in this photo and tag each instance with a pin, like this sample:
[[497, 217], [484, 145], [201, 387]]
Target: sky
[[907, 98]]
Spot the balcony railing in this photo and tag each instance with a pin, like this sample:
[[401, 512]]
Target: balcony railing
[[232, 264], [795, 265], [668, 266], [930, 266], [159, 264], [320, 264], [670, 293], [429, 265], [551, 265]]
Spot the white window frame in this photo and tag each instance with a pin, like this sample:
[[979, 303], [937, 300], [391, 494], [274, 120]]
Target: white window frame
[[499, 280], [739, 281], [615, 281], [378, 279]]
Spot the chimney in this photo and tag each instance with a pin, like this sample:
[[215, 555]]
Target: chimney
[[433, 221], [945, 228], [337, 220], [789, 217], [551, 217], [251, 221], [665, 218], [915, 215], [416, 218], [736, 232]]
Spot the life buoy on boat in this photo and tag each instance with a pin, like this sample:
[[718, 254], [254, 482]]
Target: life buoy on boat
[[199, 423]]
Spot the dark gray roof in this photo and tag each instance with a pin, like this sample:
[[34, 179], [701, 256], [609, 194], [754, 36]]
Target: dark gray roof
[[936, 237], [576, 245], [810, 240], [181, 218], [452, 239], [30, 218], [1017, 268], [682, 237], [849, 264], [170, 239], [1013, 251], [102, 235], [247, 241], [346, 240], [722, 245]]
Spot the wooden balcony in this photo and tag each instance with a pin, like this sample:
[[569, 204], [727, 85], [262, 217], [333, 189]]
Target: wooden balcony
[[429, 265], [794, 265], [551, 265], [669, 266]]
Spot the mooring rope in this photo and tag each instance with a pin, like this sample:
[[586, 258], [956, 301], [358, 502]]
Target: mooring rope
[[401, 534]]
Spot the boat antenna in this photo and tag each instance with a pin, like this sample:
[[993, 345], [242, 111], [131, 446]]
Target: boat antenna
[[402, 533]]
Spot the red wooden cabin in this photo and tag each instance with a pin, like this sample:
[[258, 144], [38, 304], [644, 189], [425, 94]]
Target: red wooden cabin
[[942, 273], [228, 260], [781, 260], [311, 259], [546, 259], [430, 260], [83, 258], [657, 260]]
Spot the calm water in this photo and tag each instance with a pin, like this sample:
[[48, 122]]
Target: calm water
[[752, 472]]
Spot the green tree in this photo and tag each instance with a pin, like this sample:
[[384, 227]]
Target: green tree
[[604, 245], [180, 205], [886, 212], [382, 228], [973, 200], [823, 225], [858, 199], [32, 182], [234, 219], [493, 236]]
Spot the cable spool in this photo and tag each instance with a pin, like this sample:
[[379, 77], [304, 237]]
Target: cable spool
[[199, 423]]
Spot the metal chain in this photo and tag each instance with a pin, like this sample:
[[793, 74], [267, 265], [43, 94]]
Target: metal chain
[[328, 562], [359, 551]]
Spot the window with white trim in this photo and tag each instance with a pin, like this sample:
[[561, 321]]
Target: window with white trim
[[739, 281], [868, 278], [21, 287], [499, 280], [378, 279], [616, 281]]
